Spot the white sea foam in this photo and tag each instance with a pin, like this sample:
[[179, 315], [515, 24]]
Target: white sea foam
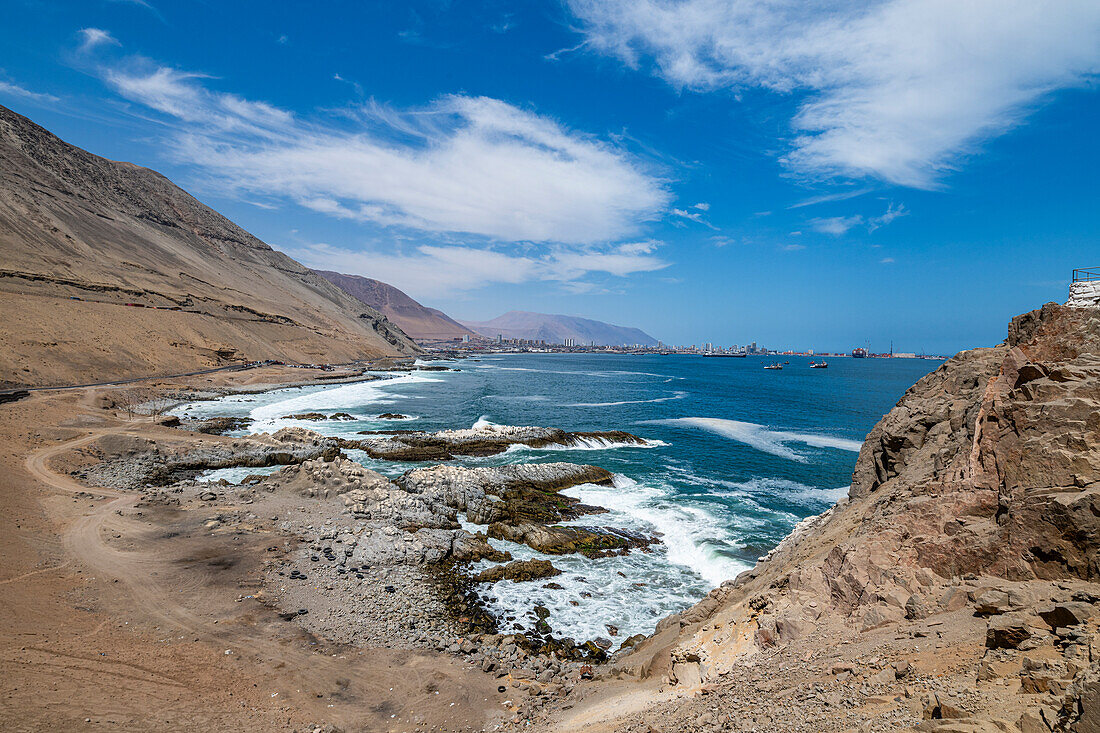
[[674, 396], [760, 437], [269, 416], [691, 535], [759, 488], [235, 474], [631, 592], [587, 444]]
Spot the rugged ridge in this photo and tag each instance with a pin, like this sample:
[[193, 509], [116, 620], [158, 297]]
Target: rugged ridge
[[557, 328], [418, 321], [90, 236]]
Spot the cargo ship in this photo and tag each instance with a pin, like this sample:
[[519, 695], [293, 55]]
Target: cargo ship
[[859, 353]]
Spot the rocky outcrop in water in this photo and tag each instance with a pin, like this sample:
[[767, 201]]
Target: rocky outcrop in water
[[518, 571], [518, 502], [132, 462], [481, 440]]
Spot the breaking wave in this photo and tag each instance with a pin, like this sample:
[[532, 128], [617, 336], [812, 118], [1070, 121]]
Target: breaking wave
[[760, 437], [674, 396]]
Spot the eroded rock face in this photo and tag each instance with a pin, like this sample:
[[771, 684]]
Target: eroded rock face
[[994, 458]]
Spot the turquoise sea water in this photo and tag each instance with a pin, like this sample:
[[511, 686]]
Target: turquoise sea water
[[738, 455]]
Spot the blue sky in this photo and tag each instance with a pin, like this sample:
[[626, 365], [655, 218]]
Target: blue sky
[[707, 170]]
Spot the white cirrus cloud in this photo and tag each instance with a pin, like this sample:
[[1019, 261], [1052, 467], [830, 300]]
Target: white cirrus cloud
[[466, 165], [430, 271], [14, 90], [898, 90], [836, 225], [92, 37]]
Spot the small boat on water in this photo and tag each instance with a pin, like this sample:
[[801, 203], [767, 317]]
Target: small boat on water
[[773, 366], [819, 365]]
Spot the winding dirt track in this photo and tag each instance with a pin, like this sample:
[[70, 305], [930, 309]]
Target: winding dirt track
[[358, 689]]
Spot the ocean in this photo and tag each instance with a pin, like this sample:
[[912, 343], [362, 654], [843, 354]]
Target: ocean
[[737, 455]]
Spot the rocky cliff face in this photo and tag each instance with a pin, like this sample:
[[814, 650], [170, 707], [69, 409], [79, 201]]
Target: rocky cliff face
[[1009, 439], [977, 497]]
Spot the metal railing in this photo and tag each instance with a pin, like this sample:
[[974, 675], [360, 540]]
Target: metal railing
[[1086, 274]]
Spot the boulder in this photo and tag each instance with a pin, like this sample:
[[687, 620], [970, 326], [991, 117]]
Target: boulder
[[1007, 631], [992, 603], [1066, 614]]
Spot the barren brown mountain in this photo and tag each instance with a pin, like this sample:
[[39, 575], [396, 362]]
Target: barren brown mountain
[[418, 321], [83, 240]]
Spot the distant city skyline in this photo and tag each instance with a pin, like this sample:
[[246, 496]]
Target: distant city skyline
[[821, 175]]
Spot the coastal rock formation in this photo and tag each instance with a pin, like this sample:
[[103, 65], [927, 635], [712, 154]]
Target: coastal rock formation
[[132, 462], [318, 416], [507, 493], [516, 501], [977, 497], [555, 540], [220, 425], [484, 439], [518, 571]]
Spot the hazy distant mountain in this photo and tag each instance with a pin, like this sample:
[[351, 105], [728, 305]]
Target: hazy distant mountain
[[418, 321], [556, 329], [84, 239]]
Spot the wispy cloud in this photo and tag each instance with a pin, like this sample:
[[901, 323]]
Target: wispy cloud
[[470, 165], [92, 37], [836, 225], [14, 90], [695, 215], [892, 212], [143, 4], [429, 271], [830, 197], [899, 90]]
